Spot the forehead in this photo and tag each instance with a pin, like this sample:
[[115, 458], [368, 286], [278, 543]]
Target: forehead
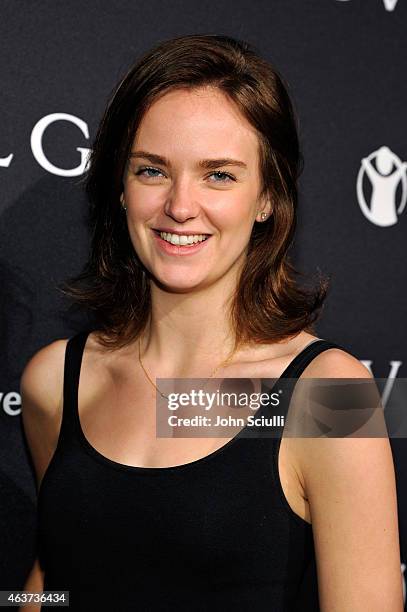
[[202, 121]]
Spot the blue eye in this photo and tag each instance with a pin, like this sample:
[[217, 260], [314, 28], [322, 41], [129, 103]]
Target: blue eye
[[148, 170], [223, 176]]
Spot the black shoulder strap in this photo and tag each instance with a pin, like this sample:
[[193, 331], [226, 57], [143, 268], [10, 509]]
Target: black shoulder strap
[[293, 372], [304, 357], [72, 367]]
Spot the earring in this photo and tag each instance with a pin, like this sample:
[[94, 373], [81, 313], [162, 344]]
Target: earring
[[124, 206], [263, 216]]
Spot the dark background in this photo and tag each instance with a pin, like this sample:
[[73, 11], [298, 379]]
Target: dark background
[[344, 61]]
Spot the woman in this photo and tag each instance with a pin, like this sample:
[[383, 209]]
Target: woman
[[199, 139]]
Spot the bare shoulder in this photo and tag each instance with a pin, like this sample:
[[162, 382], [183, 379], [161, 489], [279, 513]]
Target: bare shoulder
[[336, 363], [41, 389], [42, 378], [331, 363]]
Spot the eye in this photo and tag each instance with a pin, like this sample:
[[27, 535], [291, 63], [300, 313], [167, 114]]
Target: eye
[[222, 177], [149, 172]]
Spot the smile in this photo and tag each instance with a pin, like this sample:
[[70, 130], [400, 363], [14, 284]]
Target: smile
[[180, 244], [183, 239]]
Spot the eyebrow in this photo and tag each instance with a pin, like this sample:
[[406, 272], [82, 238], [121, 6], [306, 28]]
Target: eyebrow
[[207, 164]]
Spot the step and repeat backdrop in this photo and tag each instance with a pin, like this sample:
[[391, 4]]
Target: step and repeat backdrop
[[345, 64]]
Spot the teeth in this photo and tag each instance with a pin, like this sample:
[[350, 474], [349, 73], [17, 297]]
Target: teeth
[[182, 240]]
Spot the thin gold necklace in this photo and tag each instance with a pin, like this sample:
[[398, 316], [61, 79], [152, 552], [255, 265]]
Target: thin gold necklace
[[223, 363]]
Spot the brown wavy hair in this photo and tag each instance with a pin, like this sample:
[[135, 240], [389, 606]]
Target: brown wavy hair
[[268, 305]]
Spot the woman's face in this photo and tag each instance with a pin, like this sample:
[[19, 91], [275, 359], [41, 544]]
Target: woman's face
[[193, 171]]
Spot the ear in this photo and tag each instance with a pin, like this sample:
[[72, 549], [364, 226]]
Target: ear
[[265, 209], [123, 205]]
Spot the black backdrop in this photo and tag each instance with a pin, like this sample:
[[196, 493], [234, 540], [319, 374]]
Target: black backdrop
[[344, 61]]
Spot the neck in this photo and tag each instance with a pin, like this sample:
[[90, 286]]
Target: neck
[[188, 333]]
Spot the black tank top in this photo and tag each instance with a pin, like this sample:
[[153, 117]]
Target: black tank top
[[213, 534]]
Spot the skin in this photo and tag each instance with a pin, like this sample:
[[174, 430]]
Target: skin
[[351, 500]]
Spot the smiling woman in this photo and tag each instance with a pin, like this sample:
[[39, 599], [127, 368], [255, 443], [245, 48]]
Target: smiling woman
[[184, 194], [193, 195]]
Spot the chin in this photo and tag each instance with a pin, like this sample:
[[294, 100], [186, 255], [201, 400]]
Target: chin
[[178, 285]]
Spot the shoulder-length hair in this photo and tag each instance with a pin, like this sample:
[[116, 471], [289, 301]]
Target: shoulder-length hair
[[268, 304]]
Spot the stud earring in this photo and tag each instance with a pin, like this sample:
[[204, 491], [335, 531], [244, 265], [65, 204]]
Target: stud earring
[[124, 206], [263, 216]]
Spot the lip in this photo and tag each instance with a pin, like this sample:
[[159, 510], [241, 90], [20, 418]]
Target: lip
[[174, 249], [168, 230]]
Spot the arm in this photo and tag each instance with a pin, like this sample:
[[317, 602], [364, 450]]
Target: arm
[[370, 171], [350, 486], [400, 171], [41, 388], [34, 584]]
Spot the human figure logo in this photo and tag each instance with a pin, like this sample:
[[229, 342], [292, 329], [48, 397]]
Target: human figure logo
[[385, 171]]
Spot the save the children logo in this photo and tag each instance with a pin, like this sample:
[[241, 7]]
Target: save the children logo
[[383, 171]]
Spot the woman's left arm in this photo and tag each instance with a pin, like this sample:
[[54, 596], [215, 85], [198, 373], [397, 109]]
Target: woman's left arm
[[351, 491]]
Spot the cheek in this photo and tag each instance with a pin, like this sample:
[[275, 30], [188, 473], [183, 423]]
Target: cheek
[[142, 204], [234, 214]]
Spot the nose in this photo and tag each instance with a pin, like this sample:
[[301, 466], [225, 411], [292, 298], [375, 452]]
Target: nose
[[181, 203]]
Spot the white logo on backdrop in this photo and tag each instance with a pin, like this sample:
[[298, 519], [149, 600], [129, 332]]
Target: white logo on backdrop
[[37, 135], [11, 403], [385, 176], [389, 5], [38, 152], [388, 387]]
